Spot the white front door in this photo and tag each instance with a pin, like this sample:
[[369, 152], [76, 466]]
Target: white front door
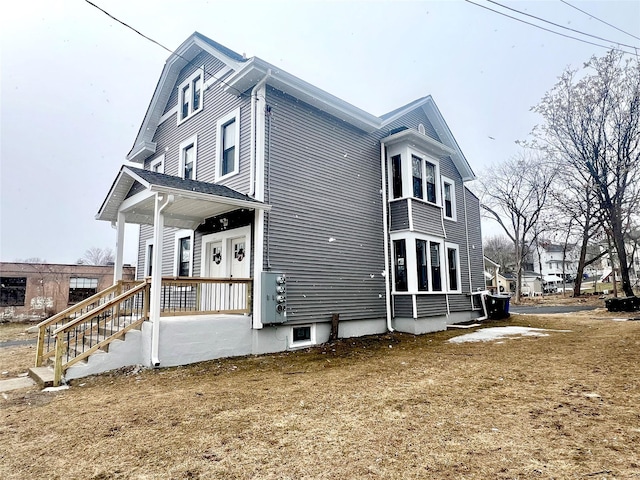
[[226, 255]]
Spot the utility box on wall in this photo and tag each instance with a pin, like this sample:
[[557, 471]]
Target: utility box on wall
[[274, 297]]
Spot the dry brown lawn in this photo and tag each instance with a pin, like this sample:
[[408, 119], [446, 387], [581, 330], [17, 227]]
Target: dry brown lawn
[[15, 360], [563, 406]]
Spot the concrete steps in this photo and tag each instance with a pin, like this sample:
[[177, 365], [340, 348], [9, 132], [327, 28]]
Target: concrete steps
[[43, 376]]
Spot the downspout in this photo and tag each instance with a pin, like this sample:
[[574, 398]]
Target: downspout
[[385, 228], [483, 294], [254, 102], [156, 276]]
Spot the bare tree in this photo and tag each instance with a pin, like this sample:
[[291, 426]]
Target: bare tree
[[515, 194], [97, 256], [592, 122], [499, 249]]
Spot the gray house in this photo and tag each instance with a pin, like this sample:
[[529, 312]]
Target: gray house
[[268, 206]]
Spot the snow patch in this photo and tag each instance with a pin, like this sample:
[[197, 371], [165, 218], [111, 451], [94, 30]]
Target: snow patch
[[497, 333]]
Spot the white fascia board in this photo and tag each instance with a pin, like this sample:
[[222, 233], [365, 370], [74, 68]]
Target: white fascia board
[[423, 142], [404, 111], [211, 198], [143, 150], [255, 69]]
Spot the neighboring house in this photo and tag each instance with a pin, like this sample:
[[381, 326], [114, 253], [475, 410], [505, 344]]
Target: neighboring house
[[33, 291], [555, 261], [311, 210], [532, 283]]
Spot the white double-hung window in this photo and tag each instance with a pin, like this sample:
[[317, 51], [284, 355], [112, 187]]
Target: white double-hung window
[[190, 97], [189, 157], [228, 143]]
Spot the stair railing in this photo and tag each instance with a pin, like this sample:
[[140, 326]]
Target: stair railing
[[79, 338], [46, 339]]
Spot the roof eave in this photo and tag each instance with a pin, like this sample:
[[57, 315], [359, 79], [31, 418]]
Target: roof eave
[[255, 69]]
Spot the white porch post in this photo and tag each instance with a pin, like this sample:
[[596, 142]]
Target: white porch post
[[117, 267], [156, 274]]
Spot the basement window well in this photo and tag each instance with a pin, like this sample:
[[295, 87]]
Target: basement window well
[[303, 335]]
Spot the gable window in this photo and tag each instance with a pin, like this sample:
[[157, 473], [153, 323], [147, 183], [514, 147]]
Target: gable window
[[82, 288], [421, 260], [400, 258], [416, 170], [12, 291], [449, 198], [452, 267], [190, 95], [228, 155], [396, 173], [188, 158], [430, 180], [183, 254]]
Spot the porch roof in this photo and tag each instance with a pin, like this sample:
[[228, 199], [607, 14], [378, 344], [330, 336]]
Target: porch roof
[[134, 191]]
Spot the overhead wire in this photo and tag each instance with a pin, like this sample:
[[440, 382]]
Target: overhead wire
[[560, 26], [240, 94], [552, 31], [600, 20]]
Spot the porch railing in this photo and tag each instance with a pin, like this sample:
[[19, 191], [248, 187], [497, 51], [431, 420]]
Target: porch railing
[[202, 296], [46, 340]]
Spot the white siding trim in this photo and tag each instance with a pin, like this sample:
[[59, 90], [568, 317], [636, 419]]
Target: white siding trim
[[168, 115]]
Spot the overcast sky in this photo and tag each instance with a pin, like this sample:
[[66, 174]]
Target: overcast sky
[[75, 84]]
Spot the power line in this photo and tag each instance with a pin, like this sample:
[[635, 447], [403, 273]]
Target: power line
[[551, 31], [600, 20], [560, 26], [166, 48]]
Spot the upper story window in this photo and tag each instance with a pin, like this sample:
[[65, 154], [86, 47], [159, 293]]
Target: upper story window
[[157, 164], [228, 151], [449, 198], [396, 173], [416, 170], [190, 98], [430, 180], [188, 158], [419, 178]]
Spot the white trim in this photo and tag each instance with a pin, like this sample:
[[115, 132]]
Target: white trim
[[454, 213], [233, 116], [216, 77], [180, 234], [304, 343], [258, 266], [157, 161], [190, 82], [225, 236], [148, 243], [168, 115], [410, 213], [414, 302], [193, 140], [456, 247], [411, 263]]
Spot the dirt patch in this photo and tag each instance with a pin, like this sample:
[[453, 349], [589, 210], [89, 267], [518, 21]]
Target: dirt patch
[[395, 406]]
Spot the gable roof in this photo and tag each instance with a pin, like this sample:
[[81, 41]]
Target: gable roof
[[246, 73], [133, 193]]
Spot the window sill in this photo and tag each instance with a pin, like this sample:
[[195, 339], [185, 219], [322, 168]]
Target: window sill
[[227, 176], [192, 114]]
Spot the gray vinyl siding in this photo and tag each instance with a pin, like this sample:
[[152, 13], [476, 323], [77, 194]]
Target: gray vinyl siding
[[431, 305], [399, 215], [475, 241], [403, 306], [427, 218], [216, 104], [325, 226]]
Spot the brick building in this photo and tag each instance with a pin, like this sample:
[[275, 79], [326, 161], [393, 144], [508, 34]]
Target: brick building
[[33, 291]]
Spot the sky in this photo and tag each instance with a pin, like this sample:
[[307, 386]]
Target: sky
[[75, 84]]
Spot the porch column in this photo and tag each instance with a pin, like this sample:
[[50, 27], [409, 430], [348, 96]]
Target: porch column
[[117, 267], [162, 201]]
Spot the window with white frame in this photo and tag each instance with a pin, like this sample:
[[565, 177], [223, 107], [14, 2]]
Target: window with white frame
[[183, 260], [228, 145], [396, 173], [449, 198], [430, 181], [453, 268], [303, 335], [190, 98], [157, 164], [436, 270], [416, 171], [400, 265], [148, 265], [188, 158]]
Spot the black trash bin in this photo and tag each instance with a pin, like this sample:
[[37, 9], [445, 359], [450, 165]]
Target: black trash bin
[[497, 306]]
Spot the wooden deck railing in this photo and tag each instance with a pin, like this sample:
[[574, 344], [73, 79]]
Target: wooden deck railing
[[46, 339], [203, 296], [95, 323]]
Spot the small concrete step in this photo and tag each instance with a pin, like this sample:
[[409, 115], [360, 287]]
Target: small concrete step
[[42, 375]]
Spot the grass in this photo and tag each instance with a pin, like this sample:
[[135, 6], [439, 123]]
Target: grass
[[394, 406], [15, 360]]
